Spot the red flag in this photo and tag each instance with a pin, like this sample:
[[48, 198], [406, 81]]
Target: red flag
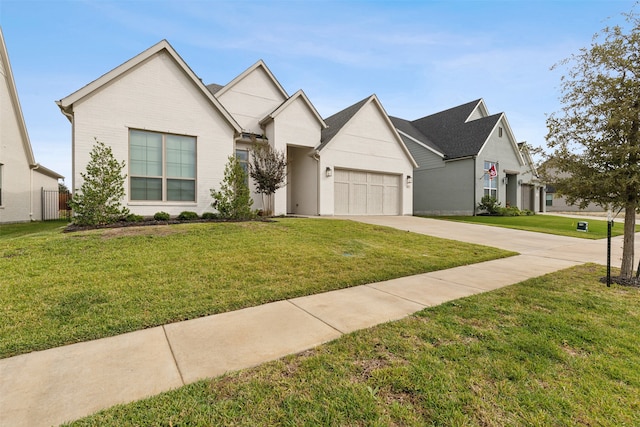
[[493, 172]]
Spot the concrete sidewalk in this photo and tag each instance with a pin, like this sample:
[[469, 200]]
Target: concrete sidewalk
[[62, 384]]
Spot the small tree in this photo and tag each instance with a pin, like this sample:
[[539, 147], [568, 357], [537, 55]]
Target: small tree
[[97, 202], [268, 169], [233, 200]]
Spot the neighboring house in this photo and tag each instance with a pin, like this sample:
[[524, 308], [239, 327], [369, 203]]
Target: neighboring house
[[22, 180], [533, 189], [463, 154], [176, 134], [556, 203]]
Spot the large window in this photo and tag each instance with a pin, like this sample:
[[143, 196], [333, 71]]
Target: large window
[[491, 179], [162, 167]]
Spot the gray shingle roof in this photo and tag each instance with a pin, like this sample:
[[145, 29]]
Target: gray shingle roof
[[214, 88], [337, 121], [407, 127], [449, 131]]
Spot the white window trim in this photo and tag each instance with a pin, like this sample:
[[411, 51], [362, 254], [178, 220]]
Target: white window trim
[[164, 177]]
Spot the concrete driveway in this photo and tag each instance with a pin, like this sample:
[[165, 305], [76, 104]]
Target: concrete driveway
[[524, 242]]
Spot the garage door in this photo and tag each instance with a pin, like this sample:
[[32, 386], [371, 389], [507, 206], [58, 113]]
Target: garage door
[[366, 193]]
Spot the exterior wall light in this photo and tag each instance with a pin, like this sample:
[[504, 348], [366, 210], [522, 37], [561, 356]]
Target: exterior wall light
[[409, 179], [328, 172]]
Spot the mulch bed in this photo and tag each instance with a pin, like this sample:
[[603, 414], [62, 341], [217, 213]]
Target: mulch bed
[[120, 224], [623, 281]]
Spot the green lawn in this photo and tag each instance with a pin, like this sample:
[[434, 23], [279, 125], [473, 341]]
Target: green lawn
[[562, 226], [62, 288], [559, 350]]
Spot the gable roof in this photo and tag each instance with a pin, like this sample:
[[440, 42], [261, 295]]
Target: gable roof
[[406, 128], [455, 134], [5, 69], [526, 155], [13, 95], [260, 64], [66, 104], [214, 88], [336, 122], [299, 94]]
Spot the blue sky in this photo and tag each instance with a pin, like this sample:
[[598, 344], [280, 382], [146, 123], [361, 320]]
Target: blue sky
[[418, 57]]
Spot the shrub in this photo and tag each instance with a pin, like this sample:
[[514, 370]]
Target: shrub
[[509, 211], [187, 216], [489, 205], [134, 218], [161, 216], [527, 212], [97, 202], [209, 215], [233, 200]]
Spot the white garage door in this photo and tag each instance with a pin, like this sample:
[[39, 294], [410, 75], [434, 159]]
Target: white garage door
[[366, 193]]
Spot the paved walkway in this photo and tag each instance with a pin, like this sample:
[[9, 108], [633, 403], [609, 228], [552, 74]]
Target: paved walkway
[[53, 386]]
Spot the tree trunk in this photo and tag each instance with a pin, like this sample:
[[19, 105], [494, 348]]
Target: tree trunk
[[626, 269]]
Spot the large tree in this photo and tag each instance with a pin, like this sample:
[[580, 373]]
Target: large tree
[[595, 137]]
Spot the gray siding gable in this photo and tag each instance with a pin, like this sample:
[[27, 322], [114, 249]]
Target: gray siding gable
[[406, 127], [425, 158]]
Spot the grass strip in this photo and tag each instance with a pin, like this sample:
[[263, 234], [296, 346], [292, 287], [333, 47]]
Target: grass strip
[[550, 224]]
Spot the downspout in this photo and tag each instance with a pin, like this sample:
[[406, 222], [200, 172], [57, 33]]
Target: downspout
[[73, 149], [316, 157], [33, 167], [475, 185]]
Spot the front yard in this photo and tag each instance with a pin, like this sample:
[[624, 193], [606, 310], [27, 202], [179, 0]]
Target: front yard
[[62, 288]]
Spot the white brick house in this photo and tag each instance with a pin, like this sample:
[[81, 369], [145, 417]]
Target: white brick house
[[175, 135]]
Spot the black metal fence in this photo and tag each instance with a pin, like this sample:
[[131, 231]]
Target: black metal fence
[[55, 205]]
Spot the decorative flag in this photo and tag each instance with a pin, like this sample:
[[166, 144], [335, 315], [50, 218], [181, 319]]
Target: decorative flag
[[493, 172]]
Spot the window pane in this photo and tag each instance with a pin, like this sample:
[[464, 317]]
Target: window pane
[[146, 188], [145, 153], [181, 156], [242, 155], [181, 190]]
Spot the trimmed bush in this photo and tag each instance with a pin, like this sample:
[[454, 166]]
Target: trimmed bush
[[161, 216], [510, 211], [187, 216], [134, 218], [210, 215]]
